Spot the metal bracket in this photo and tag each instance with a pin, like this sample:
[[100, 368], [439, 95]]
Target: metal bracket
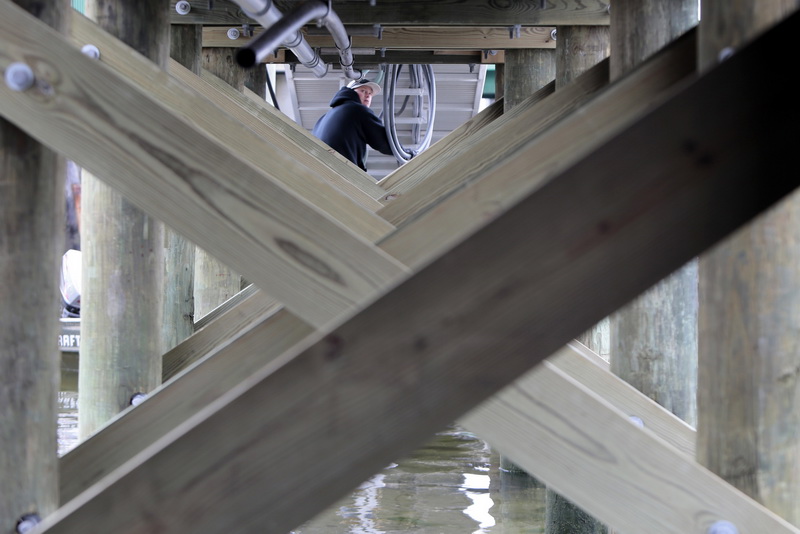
[[514, 31], [247, 30], [378, 31]]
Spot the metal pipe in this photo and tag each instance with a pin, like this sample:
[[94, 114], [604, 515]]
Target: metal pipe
[[334, 24], [266, 14], [286, 31]]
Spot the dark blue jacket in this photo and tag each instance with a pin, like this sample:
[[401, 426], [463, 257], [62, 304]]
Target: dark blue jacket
[[350, 126]]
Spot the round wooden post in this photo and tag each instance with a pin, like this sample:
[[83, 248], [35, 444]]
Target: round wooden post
[[123, 258], [499, 81], [256, 80], [654, 338], [214, 282], [31, 244], [748, 412], [526, 71], [179, 254], [578, 48]]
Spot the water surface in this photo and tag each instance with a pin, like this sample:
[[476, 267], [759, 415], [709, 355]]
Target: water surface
[[452, 485]]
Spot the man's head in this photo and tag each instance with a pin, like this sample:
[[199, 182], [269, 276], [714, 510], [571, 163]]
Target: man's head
[[365, 89]]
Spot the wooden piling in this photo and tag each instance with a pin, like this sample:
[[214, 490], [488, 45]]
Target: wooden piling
[[179, 253], [526, 71], [578, 48], [123, 258], [31, 243], [748, 411], [215, 282], [654, 338]]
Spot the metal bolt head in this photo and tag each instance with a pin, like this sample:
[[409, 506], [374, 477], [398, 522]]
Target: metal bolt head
[[636, 420], [183, 7], [27, 522], [723, 527], [725, 53], [91, 50], [138, 398], [19, 77], [233, 34], [553, 34]]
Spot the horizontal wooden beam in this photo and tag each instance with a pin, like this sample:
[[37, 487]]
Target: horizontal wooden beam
[[194, 183], [619, 473], [405, 57], [471, 321], [421, 12], [411, 38]]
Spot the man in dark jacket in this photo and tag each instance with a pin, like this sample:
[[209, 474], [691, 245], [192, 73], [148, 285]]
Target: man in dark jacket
[[350, 125]]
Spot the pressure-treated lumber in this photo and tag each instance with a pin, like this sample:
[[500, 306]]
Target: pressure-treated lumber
[[516, 289], [421, 12], [435, 177], [76, 477], [414, 256], [507, 175], [194, 183], [662, 490], [653, 339], [411, 38], [409, 175], [275, 127], [217, 114], [78, 473], [747, 395], [122, 258], [251, 308], [31, 244], [581, 365], [225, 349]]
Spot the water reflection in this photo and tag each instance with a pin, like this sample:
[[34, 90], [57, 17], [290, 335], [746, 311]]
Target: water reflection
[[476, 487], [452, 485]]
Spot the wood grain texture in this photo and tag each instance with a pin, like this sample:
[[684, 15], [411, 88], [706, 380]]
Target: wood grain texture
[[747, 395], [663, 490], [586, 367], [505, 175], [223, 112], [275, 127], [229, 323], [274, 238], [411, 38], [411, 174], [122, 258], [517, 289], [221, 355], [435, 178], [31, 245], [422, 12]]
